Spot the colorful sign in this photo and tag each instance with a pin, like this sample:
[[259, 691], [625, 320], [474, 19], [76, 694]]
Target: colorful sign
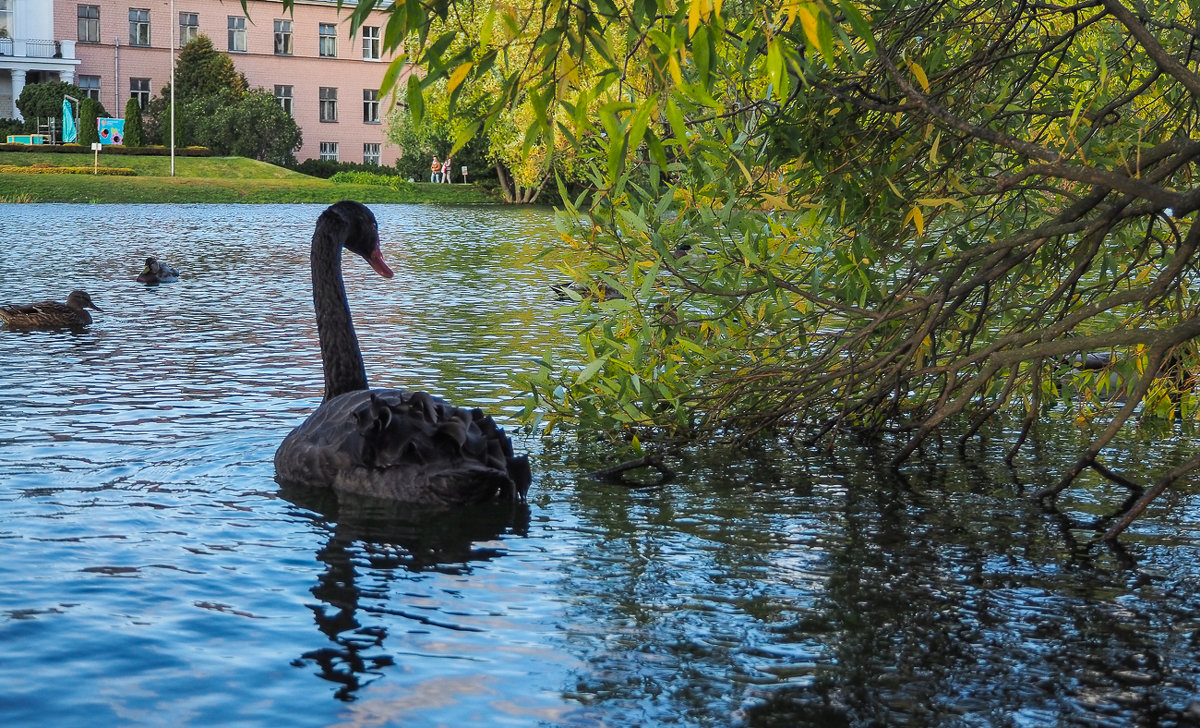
[[112, 131]]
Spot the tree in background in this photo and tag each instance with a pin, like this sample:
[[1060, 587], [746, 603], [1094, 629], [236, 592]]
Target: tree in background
[[41, 101], [253, 126], [839, 218], [90, 112], [202, 70], [134, 134], [419, 142], [215, 108]]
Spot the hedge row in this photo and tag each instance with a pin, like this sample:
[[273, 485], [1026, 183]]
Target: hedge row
[[38, 169], [109, 149]]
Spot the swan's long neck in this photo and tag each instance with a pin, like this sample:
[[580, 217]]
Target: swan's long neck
[[340, 355]]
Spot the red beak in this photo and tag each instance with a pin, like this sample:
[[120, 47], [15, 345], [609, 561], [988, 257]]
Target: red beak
[[378, 265]]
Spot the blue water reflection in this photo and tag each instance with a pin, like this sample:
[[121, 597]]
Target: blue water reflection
[[154, 574]]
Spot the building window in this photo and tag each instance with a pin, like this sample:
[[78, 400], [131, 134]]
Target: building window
[[89, 23], [139, 27], [283, 94], [6, 18], [370, 106], [371, 153], [328, 104], [189, 28], [329, 151], [328, 40], [90, 85], [283, 37], [370, 43], [139, 88], [237, 34]]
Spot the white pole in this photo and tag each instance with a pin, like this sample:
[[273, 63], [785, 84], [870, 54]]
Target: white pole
[[174, 25]]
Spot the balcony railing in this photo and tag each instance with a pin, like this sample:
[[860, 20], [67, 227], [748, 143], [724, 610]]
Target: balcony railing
[[24, 48]]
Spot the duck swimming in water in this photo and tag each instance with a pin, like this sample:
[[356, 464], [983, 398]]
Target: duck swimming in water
[[157, 271], [50, 314], [386, 443]]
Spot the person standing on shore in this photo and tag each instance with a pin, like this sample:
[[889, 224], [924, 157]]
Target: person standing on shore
[[446, 170], [435, 169]]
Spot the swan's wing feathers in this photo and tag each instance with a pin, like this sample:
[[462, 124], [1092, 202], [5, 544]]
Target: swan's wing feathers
[[403, 445]]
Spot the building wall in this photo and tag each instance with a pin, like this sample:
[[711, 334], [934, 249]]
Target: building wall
[[115, 61], [30, 52]]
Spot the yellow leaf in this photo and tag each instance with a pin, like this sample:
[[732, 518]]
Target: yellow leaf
[[699, 9], [457, 77], [809, 22], [673, 67], [790, 10], [918, 220], [935, 201], [920, 74]]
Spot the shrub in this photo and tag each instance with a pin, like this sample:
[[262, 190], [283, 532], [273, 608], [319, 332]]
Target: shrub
[[134, 133], [49, 169], [10, 126], [325, 169], [44, 100], [89, 112], [354, 177]]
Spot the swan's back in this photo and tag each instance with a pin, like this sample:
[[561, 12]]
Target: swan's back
[[407, 446]]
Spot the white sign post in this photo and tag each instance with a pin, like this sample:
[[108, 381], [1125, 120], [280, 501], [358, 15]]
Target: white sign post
[[96, 146]]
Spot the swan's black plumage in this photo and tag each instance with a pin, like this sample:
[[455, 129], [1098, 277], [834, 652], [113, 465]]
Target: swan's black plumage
[[386, 443]]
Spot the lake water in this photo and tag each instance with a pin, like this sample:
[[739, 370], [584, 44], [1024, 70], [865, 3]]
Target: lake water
[[153, 574]]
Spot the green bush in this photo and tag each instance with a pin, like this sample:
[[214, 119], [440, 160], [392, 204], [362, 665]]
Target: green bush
[[10, 126], [110, 149], [44, 100], [371, 178], [326, 169], [134, 134], [89, 112]]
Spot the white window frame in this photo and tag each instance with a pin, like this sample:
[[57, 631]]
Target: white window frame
[[90, 85], [190, 30], [327, 40], [328, 104], [283, 94], [329, 151], [237, 33], [371, 43], [139, 88], [283, 37], [89, 24], [370, 106], [372, 153], [139, 27]]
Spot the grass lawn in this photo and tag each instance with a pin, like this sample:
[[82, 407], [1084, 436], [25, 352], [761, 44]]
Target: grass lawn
[[203, 179]]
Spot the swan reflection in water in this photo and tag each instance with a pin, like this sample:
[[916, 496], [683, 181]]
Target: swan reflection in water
[[388, 537]]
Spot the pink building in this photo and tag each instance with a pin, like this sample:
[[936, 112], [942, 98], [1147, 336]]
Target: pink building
[[327, 79]]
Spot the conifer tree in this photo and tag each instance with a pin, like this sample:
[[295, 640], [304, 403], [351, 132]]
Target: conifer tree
[[134, 135]]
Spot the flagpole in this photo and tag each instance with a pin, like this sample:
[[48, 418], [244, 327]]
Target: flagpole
[[174, 24]]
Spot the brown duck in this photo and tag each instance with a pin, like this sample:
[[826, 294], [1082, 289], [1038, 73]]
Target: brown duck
[[50, 314]]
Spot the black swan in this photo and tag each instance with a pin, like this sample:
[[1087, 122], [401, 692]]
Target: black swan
[[386, 443], [50, 314], [158, 271]]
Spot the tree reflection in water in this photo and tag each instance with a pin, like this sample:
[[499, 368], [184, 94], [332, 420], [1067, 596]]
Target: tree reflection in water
[[386, 537]]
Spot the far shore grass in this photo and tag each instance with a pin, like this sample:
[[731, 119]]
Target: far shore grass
[[205, 180]]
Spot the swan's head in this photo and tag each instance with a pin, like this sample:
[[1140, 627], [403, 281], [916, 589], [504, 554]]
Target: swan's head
[[354, 224], [80, 299]]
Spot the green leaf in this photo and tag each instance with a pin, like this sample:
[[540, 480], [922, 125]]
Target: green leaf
[[415, 99]]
